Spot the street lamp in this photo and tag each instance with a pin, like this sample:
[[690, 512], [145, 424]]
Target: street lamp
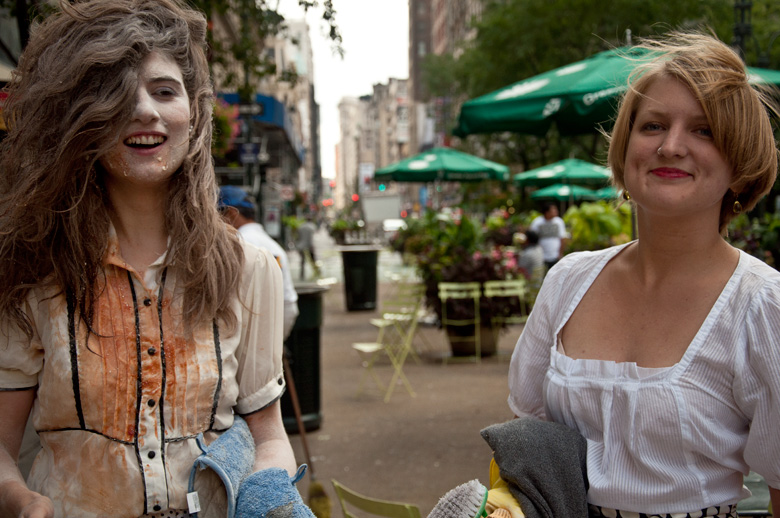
[[743, 29]]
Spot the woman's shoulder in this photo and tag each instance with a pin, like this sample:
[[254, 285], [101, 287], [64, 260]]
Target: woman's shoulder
[[759, 281], [587, 259]]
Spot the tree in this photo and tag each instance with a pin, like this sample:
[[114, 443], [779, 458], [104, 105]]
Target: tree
[[517, 39], [257, 20]]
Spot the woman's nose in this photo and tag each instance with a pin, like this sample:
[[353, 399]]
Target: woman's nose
[[674, 143], [145, 109]]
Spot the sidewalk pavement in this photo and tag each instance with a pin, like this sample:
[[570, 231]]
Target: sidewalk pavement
[[410, 449]]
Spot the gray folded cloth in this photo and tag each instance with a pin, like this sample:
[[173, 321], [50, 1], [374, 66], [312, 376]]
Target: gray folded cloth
[[543, 464]]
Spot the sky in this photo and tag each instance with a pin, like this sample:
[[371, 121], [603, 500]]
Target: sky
[[376, 45]]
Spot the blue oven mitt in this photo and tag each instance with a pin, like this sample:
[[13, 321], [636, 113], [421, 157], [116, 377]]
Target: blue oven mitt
[[271, 493], [231, 456]]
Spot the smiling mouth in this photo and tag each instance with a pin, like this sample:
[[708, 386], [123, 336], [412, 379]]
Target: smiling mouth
[[144, 141], [668, 172]]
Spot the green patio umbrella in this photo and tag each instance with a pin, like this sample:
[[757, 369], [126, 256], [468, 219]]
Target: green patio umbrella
[[442, 164], [606, 193], [577, 97], [560, 192], [571, 171]]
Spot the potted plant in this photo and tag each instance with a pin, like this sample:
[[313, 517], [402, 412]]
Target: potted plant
[[453, 248]]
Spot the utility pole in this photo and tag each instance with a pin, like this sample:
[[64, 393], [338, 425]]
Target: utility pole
[[743, 28]]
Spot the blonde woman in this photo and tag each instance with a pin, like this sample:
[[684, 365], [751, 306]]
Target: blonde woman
[[663, 353]]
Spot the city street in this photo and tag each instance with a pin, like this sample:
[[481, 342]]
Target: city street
[[409, 449]]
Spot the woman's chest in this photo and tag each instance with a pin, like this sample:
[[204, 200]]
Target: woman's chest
[[651, 327]]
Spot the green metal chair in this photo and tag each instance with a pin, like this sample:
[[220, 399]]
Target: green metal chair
[[453, 291], [351, 500], [396, 333], [758, 505]]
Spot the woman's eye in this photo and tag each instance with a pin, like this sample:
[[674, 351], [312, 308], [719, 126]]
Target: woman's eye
[[165, 92], [706, 132], [651, 126]]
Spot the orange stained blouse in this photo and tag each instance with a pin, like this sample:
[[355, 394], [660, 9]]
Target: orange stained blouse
[[118, 411]]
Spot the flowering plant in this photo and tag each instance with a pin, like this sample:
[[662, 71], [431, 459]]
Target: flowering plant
[[454, 248]]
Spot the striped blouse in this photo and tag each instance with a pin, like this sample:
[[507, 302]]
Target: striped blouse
[[118, 411], [662, 440]]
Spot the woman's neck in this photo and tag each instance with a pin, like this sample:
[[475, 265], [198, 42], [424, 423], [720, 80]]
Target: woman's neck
[[138, 216], [680, 247]]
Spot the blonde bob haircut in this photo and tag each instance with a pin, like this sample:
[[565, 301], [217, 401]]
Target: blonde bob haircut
[[738, 113]]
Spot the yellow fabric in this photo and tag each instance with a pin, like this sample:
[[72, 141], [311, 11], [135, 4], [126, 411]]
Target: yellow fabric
[[499, 496]]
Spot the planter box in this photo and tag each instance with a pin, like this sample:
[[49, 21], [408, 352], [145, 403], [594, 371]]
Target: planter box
[[462, 346]]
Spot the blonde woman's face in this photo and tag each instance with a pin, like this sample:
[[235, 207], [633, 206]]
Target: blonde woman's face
[[673, 167], [156, 140]]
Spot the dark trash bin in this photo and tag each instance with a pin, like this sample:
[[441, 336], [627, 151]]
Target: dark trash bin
[[360, 276], [303, 353]]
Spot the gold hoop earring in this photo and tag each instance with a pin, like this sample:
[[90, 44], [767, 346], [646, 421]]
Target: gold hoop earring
[[737, 207], [626, 196]]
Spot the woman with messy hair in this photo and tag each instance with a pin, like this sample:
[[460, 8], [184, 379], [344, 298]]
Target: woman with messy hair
[[133, 324], [664, 352]]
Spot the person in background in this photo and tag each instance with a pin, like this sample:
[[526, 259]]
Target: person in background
[[133, 320], [552, 233], [663, 352], [532, 256], [305, 244], [239, 210]]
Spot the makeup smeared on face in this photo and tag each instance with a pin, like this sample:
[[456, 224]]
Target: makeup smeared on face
[[156, 140]]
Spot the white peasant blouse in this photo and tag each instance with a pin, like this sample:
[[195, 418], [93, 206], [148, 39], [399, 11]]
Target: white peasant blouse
[[662, 440]]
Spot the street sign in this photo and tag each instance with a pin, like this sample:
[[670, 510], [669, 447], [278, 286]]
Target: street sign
[[249, 153], [287, 193], [250, 109]]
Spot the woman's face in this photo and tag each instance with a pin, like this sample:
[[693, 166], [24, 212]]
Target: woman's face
[[672, 166], [153, 145]]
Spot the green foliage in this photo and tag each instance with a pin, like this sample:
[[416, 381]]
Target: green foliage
[[597, 225], [454, 248], [293, 222], [258, 20], [758, 236], [517, 39]]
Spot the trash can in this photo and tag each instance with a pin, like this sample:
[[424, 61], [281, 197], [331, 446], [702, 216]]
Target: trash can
[[303, 353], [360, 276]]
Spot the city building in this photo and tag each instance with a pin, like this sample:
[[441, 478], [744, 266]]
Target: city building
[[276, 151], [374, 133]]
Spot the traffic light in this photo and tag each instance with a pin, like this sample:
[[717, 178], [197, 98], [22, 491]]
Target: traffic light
[[382, 187], [355, 197]]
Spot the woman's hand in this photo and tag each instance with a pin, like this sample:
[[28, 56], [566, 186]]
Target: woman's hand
[[18, 501], [39, 506]]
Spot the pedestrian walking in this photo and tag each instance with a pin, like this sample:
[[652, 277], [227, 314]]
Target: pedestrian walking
[[305, 246], [551, 229], [239, 210]]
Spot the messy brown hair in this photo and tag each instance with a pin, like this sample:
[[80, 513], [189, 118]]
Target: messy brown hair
[[68, 100], [737, 111]]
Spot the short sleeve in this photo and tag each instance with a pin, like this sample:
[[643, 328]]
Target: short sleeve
[[21, 358], [531, 357], [562, 232], [757, 386], [259, 354]]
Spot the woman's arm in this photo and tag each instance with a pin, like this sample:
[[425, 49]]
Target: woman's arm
[[15, 498], [272, 446]]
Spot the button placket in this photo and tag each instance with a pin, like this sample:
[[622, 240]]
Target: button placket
[[150, 433]]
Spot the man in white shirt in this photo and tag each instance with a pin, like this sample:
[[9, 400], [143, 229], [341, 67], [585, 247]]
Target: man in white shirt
[[239, 210], [552, 233]]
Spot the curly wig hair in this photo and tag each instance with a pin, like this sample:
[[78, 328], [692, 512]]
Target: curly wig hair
[[68, 100], [738, 112]]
